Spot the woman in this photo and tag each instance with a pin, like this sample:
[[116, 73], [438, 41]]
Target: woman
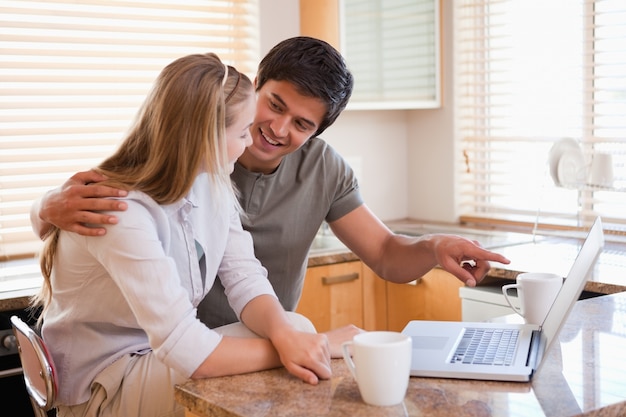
[[119, 310]]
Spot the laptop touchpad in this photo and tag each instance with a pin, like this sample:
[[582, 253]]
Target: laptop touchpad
[[429, 342]]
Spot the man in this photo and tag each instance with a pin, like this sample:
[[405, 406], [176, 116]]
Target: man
[[290, 181]]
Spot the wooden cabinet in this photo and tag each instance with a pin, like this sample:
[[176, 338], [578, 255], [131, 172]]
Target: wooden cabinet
[[320, 19], [344, 293], [433, 297], [351, 293], [374, 300], [333, 295]]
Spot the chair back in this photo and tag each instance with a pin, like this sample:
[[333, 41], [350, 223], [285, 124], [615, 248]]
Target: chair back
[[39, 372]]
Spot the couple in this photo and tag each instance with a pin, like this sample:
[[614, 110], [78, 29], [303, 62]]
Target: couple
[[179, 228]]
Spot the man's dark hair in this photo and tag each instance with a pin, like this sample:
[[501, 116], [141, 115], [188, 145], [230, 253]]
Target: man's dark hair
[[315, 68]]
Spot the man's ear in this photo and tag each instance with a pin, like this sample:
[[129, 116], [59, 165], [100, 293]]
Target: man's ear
[[255, 80]]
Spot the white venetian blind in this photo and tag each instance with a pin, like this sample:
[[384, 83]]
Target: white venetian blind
[[73, 75], [528, 74], [392, 49]]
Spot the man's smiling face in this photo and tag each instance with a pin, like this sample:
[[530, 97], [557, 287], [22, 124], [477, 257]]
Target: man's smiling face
[[285, 119]]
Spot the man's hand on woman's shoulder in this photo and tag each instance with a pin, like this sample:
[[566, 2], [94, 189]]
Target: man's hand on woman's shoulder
[[78, 203]]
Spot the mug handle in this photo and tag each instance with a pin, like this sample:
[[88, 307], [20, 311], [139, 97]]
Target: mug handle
[[505, 289], [348, 358]]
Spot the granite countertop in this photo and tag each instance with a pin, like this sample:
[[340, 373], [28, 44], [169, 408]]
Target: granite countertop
[[19, 281], [581, 376], [526, 252]]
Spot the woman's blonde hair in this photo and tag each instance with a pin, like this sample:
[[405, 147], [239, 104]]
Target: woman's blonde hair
[[178, 132]]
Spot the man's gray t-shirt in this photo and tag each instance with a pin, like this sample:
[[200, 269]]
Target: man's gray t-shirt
[[283, 212]]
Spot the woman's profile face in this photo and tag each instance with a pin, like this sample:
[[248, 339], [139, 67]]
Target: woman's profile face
[[238, 133]]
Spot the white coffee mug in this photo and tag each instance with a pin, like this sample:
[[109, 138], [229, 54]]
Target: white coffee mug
[[381, 365], [536, 292], [601, 172]]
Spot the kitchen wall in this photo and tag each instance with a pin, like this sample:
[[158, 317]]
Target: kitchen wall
[[404, 158]]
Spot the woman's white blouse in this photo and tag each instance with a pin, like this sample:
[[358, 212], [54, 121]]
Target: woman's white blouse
[[135, 289]]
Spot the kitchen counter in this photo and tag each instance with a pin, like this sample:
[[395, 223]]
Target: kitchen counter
[[581, 376], [19, 281], [527, 253]]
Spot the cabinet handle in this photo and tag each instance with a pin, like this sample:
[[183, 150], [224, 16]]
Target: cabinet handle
[[340, 278]]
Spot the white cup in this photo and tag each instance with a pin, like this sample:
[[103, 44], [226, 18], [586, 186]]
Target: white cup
[[381, 365], [601, 172], [536, 292]]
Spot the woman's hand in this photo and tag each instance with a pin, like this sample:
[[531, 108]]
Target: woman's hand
[[304, 355]]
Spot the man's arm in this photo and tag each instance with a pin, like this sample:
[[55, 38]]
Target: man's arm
[[401, 259], [75, 204]]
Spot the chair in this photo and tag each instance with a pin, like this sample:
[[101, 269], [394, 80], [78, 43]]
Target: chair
[[39, 372]]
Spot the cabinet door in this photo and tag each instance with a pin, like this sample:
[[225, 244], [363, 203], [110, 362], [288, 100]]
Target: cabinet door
[[333, 295], [374, 300], [433, 297]]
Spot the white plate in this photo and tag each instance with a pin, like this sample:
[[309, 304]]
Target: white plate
[[556, 152], [571, 168]]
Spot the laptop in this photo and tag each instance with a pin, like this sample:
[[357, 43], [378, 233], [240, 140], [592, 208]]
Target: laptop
[[438, 345]]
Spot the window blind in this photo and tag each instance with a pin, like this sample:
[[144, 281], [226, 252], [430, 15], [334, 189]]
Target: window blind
[[74, 74], [392, 49], [530, 73]]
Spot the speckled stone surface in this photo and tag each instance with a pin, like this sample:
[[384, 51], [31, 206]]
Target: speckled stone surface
[[331, 257], [583, 374], [545, 255], [15, 300]]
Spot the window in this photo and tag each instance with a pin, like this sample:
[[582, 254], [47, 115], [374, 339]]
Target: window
[[392, 49], [74, 75], [530, 73]]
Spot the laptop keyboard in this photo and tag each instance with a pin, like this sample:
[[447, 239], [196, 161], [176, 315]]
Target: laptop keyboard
[[486, 347]]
